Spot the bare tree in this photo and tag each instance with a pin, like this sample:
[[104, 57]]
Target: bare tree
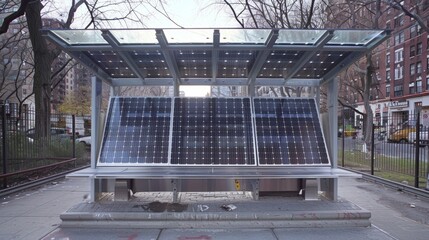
[[277, 13], [415, 9], [15, 63], [155, 91], [100, 14]]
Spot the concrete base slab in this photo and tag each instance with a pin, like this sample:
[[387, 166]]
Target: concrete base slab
[[211, 213]]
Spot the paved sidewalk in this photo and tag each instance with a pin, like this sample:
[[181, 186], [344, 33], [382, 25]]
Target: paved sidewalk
[[34, 214], [401, 215]]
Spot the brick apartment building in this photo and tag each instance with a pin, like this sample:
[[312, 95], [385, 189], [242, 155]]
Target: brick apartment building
[[403, 69]]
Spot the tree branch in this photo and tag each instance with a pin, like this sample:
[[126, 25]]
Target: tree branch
[[235, 14], [20, 12]]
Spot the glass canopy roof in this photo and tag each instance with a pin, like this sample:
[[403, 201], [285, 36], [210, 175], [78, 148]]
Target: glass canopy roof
[[273, 57]]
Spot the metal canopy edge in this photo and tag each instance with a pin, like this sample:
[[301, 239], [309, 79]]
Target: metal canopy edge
[[293, 57]]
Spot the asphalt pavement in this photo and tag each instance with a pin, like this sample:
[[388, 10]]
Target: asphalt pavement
[[34, 214]]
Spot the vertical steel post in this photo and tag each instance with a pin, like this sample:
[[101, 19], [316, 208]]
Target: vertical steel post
[[4, 146], [74, 137], [343, 139], [96, 95], [417, 158], [372, 149]]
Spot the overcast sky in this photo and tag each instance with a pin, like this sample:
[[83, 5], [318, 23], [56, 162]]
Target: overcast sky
[[186, 13]]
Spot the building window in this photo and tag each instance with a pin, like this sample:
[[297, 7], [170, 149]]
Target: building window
[[387, 75], [399, 38], [412, 89], [415, 30], [399, 70], [419, 67], [399, 21], [399, 55], [419, 48], [398, 91], [388, 90], [412, 51], [412, 69], [427, 83], [419, 88], [427, 63], [387, 60]]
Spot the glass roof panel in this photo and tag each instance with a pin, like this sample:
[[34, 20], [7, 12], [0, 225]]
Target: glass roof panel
[[76, 37], [354, 37], [295, 36], [189, 36], [244, 36], [135, 36]]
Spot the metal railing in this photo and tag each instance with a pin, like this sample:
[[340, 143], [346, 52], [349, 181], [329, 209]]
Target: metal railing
[[392, 153], [24, 157]]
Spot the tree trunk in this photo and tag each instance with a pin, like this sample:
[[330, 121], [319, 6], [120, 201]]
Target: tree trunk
[[369, 116], [42, 69]]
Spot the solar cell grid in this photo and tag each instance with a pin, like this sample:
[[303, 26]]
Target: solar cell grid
[[137, 131], [288, 132], [212, 131]]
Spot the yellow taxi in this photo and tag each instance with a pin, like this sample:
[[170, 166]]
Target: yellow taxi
[[401, 135]]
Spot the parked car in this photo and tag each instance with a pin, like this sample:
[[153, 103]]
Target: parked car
[[84, 140], [61, 133], [348, 133], [401, 135], [424, 137]]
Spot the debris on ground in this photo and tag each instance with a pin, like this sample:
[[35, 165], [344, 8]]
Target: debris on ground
[[229, 207]]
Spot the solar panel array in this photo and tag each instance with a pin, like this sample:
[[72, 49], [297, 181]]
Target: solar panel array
[[137, 131], [213, 131], [288, 132]]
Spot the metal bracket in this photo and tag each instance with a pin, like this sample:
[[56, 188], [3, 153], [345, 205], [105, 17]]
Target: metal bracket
[[311, 189], [122, 190], [175, 191], [255, 189]]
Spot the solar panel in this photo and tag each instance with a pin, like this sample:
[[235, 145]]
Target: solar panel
[[137, 131], [288, 132], [212, 131]]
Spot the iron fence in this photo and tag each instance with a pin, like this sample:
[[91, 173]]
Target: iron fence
[[24, 156], [396, 154]]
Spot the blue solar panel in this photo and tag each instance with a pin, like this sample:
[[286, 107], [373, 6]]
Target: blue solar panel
[[137, 131], [288, 132], [212, 131]]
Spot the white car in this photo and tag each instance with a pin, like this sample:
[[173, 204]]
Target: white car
[[84, 140]]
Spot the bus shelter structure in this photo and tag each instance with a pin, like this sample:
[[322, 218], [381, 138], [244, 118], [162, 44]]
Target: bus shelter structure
[[215, 144]]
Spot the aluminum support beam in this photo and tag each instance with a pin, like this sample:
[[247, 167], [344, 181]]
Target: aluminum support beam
[[81, 58], [330, 186], [168, 55], [353, 57], [215, 54], [107, 35], [309, 54], [96, 99], [263, 54]]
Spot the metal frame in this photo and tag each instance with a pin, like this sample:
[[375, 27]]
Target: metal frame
[[326, 174], [263, 50]]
